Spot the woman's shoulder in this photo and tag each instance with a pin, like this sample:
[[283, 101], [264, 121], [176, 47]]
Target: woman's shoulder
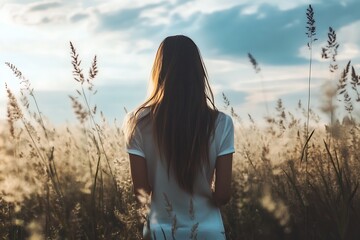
[[137, 114], [223, 118], [135, 117], [139, 111], [224, 123]]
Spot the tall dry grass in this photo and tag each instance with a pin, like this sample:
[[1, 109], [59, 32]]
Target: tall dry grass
[[73, 182]]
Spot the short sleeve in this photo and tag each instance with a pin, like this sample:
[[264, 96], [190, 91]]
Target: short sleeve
[[134, 145], [227, 138]]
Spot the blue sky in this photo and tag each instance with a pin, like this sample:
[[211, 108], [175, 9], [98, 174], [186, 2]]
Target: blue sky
[[125, 35]]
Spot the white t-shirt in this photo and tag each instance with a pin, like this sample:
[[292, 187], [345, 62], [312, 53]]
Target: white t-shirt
[[170, 205]]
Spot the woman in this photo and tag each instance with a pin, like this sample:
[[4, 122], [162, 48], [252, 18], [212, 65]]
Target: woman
[[176, 141]]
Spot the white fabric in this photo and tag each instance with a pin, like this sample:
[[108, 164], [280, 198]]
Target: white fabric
[[169, 201]]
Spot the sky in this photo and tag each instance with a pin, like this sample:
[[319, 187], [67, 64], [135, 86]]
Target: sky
[[124, 35]]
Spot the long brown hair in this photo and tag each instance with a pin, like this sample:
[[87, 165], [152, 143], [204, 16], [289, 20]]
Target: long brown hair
[[182, 109]]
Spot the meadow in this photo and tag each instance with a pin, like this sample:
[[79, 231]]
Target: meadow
[[294, 177]]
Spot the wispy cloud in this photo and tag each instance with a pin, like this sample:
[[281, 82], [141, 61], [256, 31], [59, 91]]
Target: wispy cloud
[[76, 17], [42, 6], [126, 19], [37, 13]]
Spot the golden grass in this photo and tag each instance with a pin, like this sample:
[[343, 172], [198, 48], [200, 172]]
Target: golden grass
[[61, 186]]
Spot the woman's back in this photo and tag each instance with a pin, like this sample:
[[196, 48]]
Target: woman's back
[[174, 211], [175, 140]]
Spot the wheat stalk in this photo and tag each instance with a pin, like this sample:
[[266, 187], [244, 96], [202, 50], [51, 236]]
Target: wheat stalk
[[257, 69]]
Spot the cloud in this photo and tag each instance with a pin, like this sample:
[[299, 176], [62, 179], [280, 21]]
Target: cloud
[[189, 8], [271, 34], [150, 23], [248, 7], [235, 97], [121, 19], [125, 18], [78, 17], [42, 6], [273, 82], [348, 38], [38, 13], [48, 13], [229, 32]]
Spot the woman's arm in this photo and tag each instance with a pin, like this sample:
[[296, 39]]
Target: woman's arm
[[223, 170], [139, 175]]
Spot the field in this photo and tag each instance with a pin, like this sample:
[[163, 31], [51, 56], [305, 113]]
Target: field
[[293, 178]]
